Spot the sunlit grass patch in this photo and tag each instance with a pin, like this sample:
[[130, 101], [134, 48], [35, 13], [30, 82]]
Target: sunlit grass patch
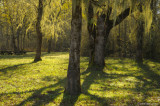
[[121, 82]]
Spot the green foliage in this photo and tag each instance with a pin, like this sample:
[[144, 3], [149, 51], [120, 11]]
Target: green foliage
[[21, 15], [101, 6], [56, 18]]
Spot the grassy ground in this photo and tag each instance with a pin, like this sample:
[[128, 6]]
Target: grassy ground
[[121, 82]]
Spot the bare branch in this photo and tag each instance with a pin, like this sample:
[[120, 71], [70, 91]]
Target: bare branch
[[122, 16]]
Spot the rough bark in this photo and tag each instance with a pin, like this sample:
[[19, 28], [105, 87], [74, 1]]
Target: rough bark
[[92, 34], [38, 31], [92, 46], [73, 75], [100, 41]]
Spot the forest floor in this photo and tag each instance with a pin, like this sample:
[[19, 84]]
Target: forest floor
[[121, 82]]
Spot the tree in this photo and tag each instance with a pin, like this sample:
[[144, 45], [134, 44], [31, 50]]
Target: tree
[[56, 23], [153, 38], [104, 26], [23, 16], [92, 32], [10, 14], [142, 27], [39, 32], [73, 75], [139, 36], [103, 30], [15, 22]]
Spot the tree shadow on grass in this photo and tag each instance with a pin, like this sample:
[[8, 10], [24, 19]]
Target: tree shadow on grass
[[42, 99], [17, 56], [91, 75], [28, 55], [150, 74], [94, 73], [150, 79], [69, 100], [12, 68]]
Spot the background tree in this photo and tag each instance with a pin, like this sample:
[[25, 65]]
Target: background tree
[[39, 32], [24, 22], [103, 31]]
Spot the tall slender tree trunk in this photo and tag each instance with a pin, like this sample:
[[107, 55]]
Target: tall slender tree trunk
[[153, 33], [54, 43], [73, 75], [139, 37], [119, 41], [92, 46], [92, 34], [49, 45], [39, 33], [13, 40], [24, 41], [125, 38], [18, 39], [21, 43]]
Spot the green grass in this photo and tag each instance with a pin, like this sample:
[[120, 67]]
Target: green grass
[[121, 82]]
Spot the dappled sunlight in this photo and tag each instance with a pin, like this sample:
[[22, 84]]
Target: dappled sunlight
[[120, 82]]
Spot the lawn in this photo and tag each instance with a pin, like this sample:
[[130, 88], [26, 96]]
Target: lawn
[[121, 82]]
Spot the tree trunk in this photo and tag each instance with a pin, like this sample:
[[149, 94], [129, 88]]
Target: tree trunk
[[92, 46], [39, 33], [73, 75], [139, 52], [24, 41], [100, 41], [119, 41], [139, 37], [54, 43], [13, 40], [49, 45], [104, 26], [153, 32], [92, 34], [18, 47], [125, 38]]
